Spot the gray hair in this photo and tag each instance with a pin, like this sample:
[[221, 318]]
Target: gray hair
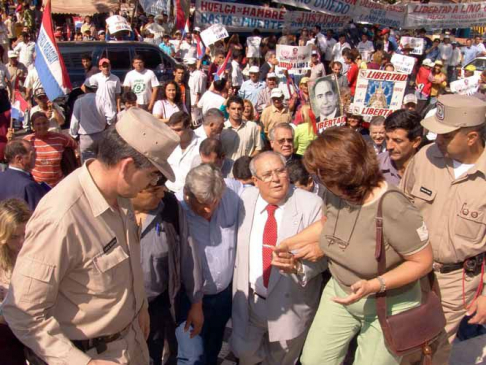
[[255, 159], [205, 183], [377, 121], [212, 115], [269, 54], [287, 126]]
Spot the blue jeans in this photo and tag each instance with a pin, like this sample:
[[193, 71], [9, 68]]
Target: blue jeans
[[204, 348]]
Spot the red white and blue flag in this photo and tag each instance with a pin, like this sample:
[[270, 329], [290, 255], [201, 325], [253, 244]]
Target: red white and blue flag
[[201, 50], [48, 62], [222, 68]]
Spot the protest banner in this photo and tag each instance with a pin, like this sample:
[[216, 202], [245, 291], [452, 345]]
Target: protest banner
[[418, 44], [466, 86], [155, 7], [378, 93], [297, 20], [326, 102], [238, 17], [117, 23], [293, 58], [253, 45], [213, 34], [403, 63], [372, 12], [437, 16], [334, 7]]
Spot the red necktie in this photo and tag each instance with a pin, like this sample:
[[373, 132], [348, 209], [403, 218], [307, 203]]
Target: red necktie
[[270, 239]]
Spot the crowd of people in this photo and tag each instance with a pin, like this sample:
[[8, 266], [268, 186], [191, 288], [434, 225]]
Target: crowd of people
[[216, 196]]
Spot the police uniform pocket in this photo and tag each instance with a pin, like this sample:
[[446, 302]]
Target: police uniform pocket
[[108, 268], [470, 224], [37, 280]]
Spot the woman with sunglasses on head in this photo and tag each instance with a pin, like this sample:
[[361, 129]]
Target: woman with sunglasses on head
[[347, 166]]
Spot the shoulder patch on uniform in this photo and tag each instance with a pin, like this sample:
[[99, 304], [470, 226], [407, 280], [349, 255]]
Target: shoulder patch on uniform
[[423, 232], [425, 191]]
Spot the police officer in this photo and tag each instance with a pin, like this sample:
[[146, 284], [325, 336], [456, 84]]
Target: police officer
[[446, 181], [77, 293]]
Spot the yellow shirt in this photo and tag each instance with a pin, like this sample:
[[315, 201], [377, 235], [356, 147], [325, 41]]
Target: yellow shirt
[[271, 116]]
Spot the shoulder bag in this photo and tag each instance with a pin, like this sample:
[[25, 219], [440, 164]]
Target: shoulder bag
[[412, 330]]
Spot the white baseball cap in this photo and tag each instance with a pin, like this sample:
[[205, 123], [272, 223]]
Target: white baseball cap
[[254, 69], [410, 98], [276, 93], [12, 54], [191, 61], [271, 75]]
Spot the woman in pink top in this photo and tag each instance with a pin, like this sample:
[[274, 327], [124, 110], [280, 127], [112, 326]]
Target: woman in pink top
[[14, 215], [49, 147]]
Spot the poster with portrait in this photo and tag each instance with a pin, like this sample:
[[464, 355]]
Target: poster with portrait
[[294, 58], [326, 102], [378, 93], [466, 86]]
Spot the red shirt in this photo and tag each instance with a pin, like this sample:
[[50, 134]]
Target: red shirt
[[49, 152], [422, 81], [353, 77]]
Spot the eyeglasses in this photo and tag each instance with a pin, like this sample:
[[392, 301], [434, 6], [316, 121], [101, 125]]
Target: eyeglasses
[[267, 176], [284, 140]]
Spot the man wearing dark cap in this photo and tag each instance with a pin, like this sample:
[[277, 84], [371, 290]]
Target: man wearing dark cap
[[446, 182], [77, 293]]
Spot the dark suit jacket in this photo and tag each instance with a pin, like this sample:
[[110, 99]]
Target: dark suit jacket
[[264, 70], [17, 184]]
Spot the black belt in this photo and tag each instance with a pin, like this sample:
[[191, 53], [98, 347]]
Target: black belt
[[100, 343], [471, 265]]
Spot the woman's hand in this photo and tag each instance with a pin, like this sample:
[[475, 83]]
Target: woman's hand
[[284, 261], [360, 289]]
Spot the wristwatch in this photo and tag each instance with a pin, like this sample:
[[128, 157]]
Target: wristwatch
[[382, 284]]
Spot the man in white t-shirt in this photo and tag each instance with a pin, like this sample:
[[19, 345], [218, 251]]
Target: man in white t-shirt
[[143, 83], [25, 49], [365, 48], [197, 87], [108, 86], [213, 98], [337, 50]]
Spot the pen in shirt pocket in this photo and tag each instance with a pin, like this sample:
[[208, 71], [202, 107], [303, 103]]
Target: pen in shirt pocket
[[157, 229]]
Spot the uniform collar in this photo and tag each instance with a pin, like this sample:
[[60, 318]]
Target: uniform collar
[[96, 200], [480, 164]]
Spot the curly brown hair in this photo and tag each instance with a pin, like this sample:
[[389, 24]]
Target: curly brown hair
[[341, 158]]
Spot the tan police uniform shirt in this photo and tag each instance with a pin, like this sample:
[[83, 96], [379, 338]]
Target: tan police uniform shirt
[[78, 275], [453, 209], [348, 238]]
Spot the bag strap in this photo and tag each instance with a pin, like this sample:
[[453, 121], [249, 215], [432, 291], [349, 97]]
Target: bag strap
[[380, 256]]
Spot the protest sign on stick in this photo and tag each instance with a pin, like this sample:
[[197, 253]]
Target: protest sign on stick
[[213, 34], [378, 93], [294, 58], [326, 102], [403, 63]]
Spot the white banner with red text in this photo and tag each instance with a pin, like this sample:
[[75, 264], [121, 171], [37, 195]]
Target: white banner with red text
[[295, 59]]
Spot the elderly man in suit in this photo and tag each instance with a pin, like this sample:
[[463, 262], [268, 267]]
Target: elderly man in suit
[[274, 297], [16, 181]]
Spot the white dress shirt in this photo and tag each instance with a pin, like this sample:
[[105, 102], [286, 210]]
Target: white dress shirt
[[197, 85], [108, 88], [236, 74], [366, 49], [256, 244], [181, 162]]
